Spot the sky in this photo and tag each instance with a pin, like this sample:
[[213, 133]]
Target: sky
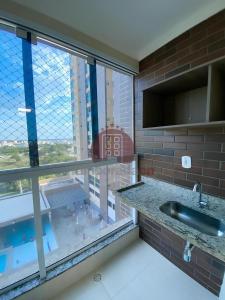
[[51, 72]]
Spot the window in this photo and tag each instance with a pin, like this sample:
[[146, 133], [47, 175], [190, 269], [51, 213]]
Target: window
[[13, 125], [54, 105], [76, 209], [18, 249], [59, 110], [91, 190]]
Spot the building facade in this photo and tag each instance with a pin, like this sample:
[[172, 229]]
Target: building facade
[[114, 110]]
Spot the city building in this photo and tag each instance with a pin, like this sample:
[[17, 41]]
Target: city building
[[114, 93]]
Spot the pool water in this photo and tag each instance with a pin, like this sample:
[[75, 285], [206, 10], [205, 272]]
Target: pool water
[[20, 241], [21, 232], [18, 234], [3, 259]]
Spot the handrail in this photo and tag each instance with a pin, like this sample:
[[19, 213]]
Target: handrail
[[31, 172]]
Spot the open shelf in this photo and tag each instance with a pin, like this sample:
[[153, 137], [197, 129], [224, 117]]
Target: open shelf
[[217, 91], [195, 98]]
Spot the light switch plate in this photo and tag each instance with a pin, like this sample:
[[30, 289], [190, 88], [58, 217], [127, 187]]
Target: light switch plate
[[186, 162]]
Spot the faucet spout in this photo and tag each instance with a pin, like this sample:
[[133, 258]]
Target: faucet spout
[[198, 188], [187, 251]]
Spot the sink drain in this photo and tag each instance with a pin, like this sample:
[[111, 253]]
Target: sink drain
[[97, 277]]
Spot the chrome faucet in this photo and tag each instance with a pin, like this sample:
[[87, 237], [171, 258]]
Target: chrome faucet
[[187, 252], [198, 188]]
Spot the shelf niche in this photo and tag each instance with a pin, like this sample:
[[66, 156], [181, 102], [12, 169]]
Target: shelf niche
[[195, 98]]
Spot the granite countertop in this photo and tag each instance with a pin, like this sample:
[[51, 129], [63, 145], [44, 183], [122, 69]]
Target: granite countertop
[[149, 195]]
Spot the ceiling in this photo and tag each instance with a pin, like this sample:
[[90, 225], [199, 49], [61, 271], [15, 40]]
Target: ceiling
[[133, 27]]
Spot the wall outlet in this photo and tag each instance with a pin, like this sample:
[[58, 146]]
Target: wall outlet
[[186, 162]]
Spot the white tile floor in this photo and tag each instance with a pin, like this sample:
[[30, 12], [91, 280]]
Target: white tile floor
[[138, 273]]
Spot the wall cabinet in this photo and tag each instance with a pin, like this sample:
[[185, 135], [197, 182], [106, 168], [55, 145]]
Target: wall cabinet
[[194, 98]]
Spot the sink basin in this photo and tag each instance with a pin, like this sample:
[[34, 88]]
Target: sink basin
[[193, 218]]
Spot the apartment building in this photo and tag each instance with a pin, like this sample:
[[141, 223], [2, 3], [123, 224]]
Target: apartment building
[[114, 93]]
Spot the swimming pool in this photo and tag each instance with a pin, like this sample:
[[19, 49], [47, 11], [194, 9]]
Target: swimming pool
[[3, 259], [20, 241], [21, 233]]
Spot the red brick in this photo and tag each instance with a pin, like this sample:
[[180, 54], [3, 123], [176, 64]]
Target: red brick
[[163, 177], [216, 138], [208, 40], [216, 26], [166, 54], [194, 170], [179, 131], [217, 18], [177, 71], [161, 157], [217, 46], [178, 40], [166, 69], [203, 179], [214, 156], [212, 164], [189, 139], [175, 57], [184, 183], [206, 130], [217, 280], [190, 41], [174, 145], [200, 29], [214, 173], [206, 146], [193, 153], [164, 139], [207, 270], [192, 57], [212, 190], [208, 58]]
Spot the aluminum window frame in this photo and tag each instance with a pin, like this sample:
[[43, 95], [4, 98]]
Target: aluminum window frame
[[35, 170]]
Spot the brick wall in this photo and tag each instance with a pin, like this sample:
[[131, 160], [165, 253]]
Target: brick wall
[[204, 268], [161, 150]]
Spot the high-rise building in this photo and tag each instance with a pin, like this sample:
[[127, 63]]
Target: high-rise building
[[114, 109]]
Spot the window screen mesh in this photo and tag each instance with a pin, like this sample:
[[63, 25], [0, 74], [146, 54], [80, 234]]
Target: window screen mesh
[[13, 128]]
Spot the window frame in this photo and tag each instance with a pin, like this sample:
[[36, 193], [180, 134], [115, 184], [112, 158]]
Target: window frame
[[34, 171]]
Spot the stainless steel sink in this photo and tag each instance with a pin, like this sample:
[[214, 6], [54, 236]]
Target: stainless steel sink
[[193, 218]]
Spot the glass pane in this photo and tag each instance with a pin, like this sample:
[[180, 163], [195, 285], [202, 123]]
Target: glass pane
[[119, 176], [62, 96], [78, 204], [115, 101], [13, 128], [18, 251]]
